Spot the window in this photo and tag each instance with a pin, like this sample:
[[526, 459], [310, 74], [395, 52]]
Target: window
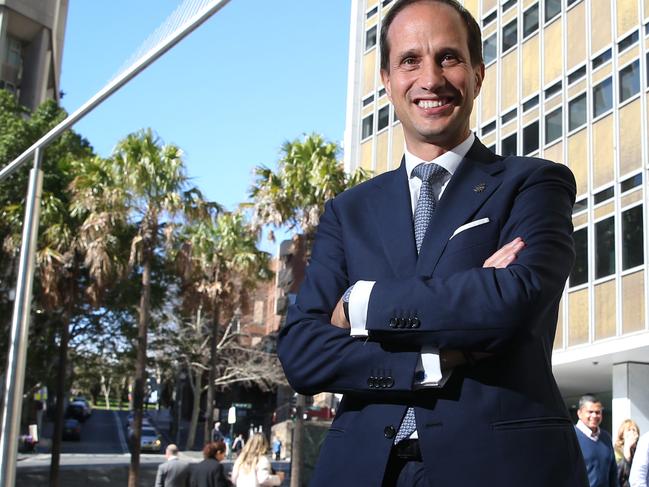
[[579, 273], [489, 49], [605, 247], [628, 41], [510, 115], [386, 2], [384, 118], [552, 9], [603, 195], [601, 59], [602, 97], [14, 52], [509, 4], [570, 2], [368, 100], [490, 18], [490, 127], [577, 112], [553, 125], [372, 12], [368, 126], [370, 38], [576, 75], [510, 35], [381, 92], [632, 239], [629, 80], [531, 138], [531, 103], [531, 20], [580, 205], [630, 183], [508, 147], [553, 90]]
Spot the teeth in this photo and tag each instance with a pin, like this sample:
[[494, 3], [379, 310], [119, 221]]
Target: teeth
[[430, 103]]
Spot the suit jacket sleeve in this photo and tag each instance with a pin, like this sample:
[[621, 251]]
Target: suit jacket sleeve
[[318, 356], [160, 476], [482, 309]]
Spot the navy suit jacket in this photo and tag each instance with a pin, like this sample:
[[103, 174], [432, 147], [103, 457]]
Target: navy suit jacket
[[500, 421]]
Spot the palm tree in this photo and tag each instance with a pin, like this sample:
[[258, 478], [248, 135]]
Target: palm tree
[[144, 185], [308, 175]]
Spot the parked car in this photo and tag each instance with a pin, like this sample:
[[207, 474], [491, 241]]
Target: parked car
[[72, 429], [75, 411], [318, 413]]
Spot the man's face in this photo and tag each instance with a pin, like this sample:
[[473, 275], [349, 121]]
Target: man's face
[[591, 415], [431, 81]]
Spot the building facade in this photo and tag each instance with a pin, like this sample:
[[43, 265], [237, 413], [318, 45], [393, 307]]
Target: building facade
[[31, 48], [566, 80]]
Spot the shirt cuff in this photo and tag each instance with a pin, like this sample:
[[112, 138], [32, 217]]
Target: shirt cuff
[[428, 372], [359, 300]]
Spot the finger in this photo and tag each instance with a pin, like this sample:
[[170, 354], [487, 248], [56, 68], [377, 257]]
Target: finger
[[506, 254]]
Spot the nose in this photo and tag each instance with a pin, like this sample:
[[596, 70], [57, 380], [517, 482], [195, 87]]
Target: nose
[[432, 75]]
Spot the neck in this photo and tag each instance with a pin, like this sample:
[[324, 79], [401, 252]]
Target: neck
[[427, 150]]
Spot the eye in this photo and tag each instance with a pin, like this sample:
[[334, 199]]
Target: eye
[[449, 58], [410, 61]]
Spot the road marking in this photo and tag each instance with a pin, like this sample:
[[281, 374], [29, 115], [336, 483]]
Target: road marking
[[120, 433]]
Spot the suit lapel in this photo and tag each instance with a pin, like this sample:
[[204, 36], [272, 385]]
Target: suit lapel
[[392, 213], [474, 181]]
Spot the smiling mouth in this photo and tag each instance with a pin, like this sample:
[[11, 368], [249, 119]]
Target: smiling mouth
[[426, 104]]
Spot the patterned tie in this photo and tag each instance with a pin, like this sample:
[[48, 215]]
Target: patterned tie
[[430, 174]]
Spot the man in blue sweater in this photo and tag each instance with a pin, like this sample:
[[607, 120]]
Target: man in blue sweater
[[595, 443]]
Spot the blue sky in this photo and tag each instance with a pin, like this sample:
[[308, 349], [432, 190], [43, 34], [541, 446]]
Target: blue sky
[[254, 75]]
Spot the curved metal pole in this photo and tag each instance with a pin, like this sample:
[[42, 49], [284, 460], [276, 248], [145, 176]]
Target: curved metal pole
[[15, 378]]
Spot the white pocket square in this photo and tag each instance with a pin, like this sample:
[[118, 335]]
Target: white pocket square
[[472, 224]]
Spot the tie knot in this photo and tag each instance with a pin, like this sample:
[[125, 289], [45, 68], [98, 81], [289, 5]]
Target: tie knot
[[430, 173]]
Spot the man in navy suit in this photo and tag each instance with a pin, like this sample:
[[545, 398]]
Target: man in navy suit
[[432, 293]]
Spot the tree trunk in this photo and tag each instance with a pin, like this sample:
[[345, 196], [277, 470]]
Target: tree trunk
[[105, 389], [297, 446], [140, 370], [197, 388], [60, 404], [209, 403]]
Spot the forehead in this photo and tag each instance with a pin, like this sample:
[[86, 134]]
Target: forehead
[[427, 22], [592, 406]]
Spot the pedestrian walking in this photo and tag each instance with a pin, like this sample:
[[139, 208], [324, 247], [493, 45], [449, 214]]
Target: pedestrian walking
[[252, 468], [173, 472], [625, 445]]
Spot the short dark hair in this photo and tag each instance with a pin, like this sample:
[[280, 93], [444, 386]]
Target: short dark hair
[[212, 448], [588, 398], [474, 36]]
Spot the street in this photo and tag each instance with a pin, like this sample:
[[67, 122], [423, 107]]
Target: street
[[102, 457]]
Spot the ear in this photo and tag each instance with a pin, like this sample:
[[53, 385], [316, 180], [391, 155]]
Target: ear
[[479, 73], [385, 78]]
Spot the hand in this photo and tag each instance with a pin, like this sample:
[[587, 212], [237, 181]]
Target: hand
[[505, 255], [281, 475], [338, 316]]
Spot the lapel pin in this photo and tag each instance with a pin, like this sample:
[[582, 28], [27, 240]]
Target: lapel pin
[[479, 188]]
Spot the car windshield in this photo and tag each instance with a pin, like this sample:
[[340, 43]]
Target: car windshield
[[148, 432]]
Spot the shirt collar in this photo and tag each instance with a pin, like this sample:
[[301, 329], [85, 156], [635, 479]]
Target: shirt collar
[[587, 431], [450, 160]]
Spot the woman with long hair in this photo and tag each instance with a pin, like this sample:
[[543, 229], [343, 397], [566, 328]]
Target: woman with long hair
[[625, 443], [252, 467]]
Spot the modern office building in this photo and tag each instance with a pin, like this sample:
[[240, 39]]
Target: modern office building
[[565, 80], [31, 48]]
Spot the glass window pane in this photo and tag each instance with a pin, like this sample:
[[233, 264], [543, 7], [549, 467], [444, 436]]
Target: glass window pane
[[629, 81], [489, 49], [370, 38], [577, 112], [553, 125], [552, 8], [632, 240], [602, 97], [605, 247], [531, 20], [510, 35], [509, 146], [368, 125], [531, 138], [579, 273], [384, 117]]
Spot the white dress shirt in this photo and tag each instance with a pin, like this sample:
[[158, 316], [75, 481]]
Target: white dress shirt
[[429, 368], [639, 476]]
